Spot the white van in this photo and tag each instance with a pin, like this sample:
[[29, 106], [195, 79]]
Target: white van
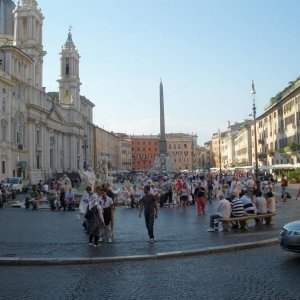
[[15, 183]]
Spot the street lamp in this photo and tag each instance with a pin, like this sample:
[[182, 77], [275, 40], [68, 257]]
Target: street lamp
[[253, 92], [84, 147], [220, 172]]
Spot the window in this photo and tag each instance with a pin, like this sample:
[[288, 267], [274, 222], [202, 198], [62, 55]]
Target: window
[[38, 161], [19, 131], [67, 66], [52, 159], [3, 167], [4, 105]]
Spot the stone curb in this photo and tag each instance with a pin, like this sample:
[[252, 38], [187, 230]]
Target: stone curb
[[19, 261]]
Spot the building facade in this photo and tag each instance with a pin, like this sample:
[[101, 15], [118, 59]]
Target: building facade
[[107, 153], [44, 133], [144, 150], [181, 149], [278, 135], [125, 152]]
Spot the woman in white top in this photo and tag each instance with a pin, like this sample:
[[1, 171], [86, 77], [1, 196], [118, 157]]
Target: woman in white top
[[261, 203]]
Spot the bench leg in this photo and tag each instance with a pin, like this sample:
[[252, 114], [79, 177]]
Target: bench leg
[[244, 224], [226, 226], [268, 220]]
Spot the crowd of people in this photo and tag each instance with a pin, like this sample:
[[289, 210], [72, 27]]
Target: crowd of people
[[239, 199], [98, 208], [238, 195]]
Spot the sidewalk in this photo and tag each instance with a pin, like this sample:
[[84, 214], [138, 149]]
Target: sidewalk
[[43, 235]]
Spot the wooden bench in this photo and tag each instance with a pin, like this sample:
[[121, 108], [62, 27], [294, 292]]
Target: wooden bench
[[227, 222]]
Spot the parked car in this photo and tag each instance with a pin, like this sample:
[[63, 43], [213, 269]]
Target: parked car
[[16, 184], [289, 237]]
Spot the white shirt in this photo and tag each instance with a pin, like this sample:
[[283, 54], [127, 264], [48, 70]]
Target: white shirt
[[224, 209], [108, 202], [271, 204], [261, 205]]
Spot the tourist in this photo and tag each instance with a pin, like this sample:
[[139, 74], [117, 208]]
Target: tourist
[[223, 211], [261, 205], [178, 189], [284, 184], [106, 204], [227, 192], [111, 195], [45, 188], [149, 205], [124, 196], [267, 187], [249, 206], [237, 210], [250, 186], [135, 196], [210, 188], [185, 193], [94, 218], [35, 198], [271, 206], [62, 199], [215, 189], [86, 198], [235, 187], [168, 188], [70, 200], [200, 199], [203, 183]]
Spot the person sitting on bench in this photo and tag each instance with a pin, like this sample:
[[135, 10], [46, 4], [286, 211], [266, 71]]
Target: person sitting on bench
[[223, 211]]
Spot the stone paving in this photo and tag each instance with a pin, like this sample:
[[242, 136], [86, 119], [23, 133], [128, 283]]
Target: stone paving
[[47, 234], [260, 274]]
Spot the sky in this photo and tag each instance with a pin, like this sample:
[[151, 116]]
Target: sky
[[206, 52]]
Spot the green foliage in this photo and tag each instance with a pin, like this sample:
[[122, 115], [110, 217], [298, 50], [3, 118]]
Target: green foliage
[[294, 175], [279, 96]]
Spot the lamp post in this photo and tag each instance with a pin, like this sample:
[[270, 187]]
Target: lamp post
[[253, 92], [220, 171], [84, 147]]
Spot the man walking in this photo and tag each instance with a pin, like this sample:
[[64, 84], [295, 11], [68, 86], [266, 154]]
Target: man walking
[[148, 204]]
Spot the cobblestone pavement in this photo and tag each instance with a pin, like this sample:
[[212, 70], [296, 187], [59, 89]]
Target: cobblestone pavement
[[47, 234], [265, 273]]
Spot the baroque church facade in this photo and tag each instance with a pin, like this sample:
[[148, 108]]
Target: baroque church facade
[[40, 133]]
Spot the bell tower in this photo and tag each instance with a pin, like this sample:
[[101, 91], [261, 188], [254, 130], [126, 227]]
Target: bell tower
[[28, 36], [69, 81]]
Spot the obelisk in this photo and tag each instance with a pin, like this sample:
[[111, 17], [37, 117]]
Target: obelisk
[[162, 140]]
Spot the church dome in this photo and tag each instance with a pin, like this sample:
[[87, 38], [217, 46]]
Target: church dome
[[6, 17]]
